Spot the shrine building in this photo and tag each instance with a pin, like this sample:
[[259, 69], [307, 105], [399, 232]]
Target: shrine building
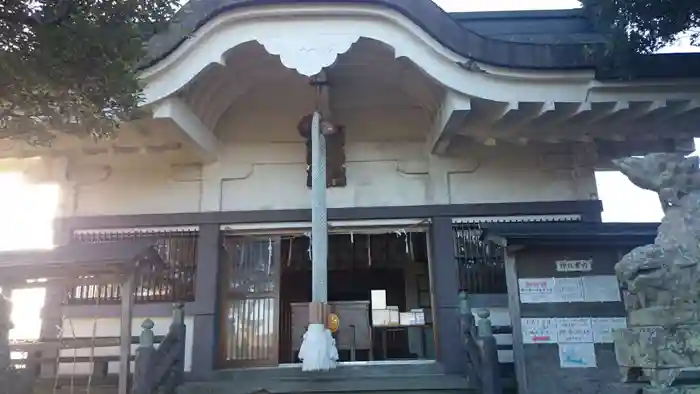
[[460, 172]]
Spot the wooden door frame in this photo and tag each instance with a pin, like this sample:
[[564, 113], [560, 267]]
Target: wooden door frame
[[225, 296]]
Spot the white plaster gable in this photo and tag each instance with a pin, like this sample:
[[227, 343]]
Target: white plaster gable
[[306, 34]]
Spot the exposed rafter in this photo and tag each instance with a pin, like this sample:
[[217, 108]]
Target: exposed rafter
[[189, 124], [609, 110], [526, 114]]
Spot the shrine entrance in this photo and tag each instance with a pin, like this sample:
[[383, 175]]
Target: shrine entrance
[[378, 286]]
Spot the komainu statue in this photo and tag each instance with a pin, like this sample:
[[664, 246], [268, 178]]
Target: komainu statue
[[661, 281]]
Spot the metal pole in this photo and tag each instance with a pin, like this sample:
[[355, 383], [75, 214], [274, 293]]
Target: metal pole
[[319, 219]]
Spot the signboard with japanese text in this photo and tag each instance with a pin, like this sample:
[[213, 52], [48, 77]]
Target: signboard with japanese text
[[536, 290], [539, 330], [574, 265]]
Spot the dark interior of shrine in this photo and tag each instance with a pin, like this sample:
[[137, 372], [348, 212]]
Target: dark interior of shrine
[[358, 264]]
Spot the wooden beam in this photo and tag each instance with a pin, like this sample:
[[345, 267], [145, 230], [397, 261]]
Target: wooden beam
[[127, 293], [570, 111], [679, 108], [609, 110], [640, 110], [192, 128], [452, 116], [74, 343], [530, 112], [73, 260], [565, 112], [78, 253]]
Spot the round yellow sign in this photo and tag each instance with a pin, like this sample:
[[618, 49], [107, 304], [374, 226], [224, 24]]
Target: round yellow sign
[[333, 322]]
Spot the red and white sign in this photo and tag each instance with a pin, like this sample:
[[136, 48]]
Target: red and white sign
[[539, 330], [536, 290]]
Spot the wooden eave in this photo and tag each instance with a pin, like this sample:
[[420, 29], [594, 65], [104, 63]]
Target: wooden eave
[[77, 260]]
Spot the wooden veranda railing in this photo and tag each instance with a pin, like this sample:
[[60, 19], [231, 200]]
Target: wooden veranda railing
[[161, 370], [481, 349], [121, 262], [157, 369], [482, 271]]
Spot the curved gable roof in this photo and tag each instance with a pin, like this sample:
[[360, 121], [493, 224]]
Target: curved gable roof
[[537, 27], [463, 34]]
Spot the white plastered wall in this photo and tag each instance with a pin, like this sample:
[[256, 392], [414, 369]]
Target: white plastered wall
[[262, 166]]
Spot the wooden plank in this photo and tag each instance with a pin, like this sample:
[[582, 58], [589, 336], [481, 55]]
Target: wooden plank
[[74, 343], [63, 281], [76, 359], [125, 333]]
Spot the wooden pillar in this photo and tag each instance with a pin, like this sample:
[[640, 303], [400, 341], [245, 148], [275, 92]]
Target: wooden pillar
[[444, 275], [514, 309], [5, 327], [51, 324], [204, 332], [127, 309]]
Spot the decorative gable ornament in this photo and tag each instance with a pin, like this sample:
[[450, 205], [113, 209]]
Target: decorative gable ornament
[[308, 54]]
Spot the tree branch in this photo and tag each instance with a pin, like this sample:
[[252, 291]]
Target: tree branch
[[61, 12], [55, 15]]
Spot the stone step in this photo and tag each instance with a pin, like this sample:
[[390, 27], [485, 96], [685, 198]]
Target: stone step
[[423, 384], [76, 389], [343, 371]]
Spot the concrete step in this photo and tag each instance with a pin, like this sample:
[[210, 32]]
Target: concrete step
[[76, 389], [374, 378], [343, 371], [443, 384]]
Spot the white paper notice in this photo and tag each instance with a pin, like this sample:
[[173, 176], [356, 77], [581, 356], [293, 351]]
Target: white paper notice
[[536, 290], [568, 290], [577, 355], [601, 288], [603, 328], [574, 330], [378, 299], [539, 330]]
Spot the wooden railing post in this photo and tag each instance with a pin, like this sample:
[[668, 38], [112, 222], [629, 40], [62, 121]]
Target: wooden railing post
[[145, 356], [490, 367], [162, 370], [176, 371], [471, 347]]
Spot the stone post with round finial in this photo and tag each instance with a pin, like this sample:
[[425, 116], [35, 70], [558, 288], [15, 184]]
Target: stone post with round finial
[[491, 368], [145, 355]]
